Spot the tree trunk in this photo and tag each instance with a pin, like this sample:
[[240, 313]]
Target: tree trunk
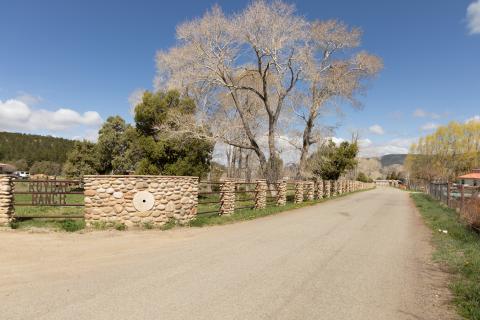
[[305, 146], [248, 172], [273, 170]]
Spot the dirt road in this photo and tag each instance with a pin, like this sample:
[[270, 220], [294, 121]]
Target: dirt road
[[364, 256]]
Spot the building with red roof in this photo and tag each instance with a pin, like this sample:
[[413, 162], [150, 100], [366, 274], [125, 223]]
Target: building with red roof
[[471, 179]]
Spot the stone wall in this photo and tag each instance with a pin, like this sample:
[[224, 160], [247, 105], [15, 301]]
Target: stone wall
[[137, 200], [6, 199]]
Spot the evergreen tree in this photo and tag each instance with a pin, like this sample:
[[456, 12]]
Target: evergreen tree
[[331, 161], [112, 146], [82, 160], [163, 148]]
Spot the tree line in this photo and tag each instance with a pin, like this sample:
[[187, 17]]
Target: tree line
[[40, 154], [154, 145], [450, 151]]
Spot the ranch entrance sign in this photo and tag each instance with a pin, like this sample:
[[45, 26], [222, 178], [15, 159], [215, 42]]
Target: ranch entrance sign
[[48, 192]]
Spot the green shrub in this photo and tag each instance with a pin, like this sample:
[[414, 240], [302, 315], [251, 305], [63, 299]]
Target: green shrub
[[120, 226], [169, 225], [72, 225], [147, 225], [14, 224], [99, 225]]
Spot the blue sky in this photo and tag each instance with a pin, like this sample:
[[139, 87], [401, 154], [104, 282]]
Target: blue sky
[[66, 65]]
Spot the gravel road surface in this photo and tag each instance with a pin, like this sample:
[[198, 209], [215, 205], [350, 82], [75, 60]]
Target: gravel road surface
[[363, 256]]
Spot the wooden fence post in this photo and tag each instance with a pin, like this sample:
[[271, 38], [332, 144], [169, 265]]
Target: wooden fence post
[[448, 194], [462, 197]]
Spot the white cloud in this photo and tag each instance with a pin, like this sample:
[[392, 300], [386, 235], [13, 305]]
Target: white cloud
[[365, 143], [475, 118], [429, 126], [17, 115], [28, 99], [336, 140], [420, 113], [473, 17], [377, 129], [394, 146]]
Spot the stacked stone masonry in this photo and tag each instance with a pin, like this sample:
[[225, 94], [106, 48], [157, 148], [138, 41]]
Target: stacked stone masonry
[[334, 188], [227, 197], [6, 199], [309, 190], [319, 190], [327, 188], [261, 194], [298, 192], [136, 200], [281, 192]]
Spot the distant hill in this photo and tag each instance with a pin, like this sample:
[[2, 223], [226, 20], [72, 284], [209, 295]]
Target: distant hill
[[391, 159], [32, 148], [380, 167]]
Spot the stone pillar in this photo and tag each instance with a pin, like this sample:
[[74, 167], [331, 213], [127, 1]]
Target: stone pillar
[[281, 192], [298, 192], [319, 189], [227, 197], [333, 184], [309, 190], [6, 200], [327, 188], [261, 194]]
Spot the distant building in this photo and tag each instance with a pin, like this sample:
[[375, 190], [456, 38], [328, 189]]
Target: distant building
[[470, 179], [6, 168]]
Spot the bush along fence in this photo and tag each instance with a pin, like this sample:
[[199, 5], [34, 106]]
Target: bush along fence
[[156, 200], [463, 198]]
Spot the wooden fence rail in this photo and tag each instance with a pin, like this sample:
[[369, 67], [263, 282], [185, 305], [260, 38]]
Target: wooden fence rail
[[463, 198]]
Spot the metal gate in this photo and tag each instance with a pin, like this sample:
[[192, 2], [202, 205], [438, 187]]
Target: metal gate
[[36, 194]]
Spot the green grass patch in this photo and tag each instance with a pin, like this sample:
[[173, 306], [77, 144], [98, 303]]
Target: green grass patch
[[68, 225], [459, 250], [169, 225]]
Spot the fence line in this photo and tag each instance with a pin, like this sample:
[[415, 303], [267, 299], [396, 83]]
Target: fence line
[[230, 195], [462, 198]]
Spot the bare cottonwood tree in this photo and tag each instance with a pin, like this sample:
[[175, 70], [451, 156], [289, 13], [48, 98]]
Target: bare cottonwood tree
[[329, 76], [256, 51], [242, 69]]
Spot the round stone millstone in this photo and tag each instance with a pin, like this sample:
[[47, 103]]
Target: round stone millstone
[[143, 201]]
